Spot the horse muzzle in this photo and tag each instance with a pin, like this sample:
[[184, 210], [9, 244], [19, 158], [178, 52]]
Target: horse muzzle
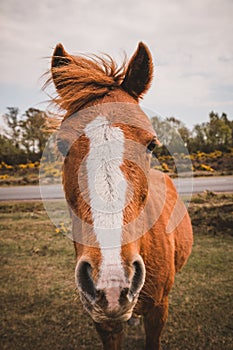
[[116, 299]]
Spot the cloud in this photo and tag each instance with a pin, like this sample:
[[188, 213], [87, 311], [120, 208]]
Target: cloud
[[190, 42]]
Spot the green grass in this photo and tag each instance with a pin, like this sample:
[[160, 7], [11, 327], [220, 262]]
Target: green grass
[[40, 309]]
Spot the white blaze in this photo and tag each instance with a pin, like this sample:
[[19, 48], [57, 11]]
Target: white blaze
[[107, 192]]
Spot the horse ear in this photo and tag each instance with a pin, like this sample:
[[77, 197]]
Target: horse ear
[[139, 72], [60, 58]]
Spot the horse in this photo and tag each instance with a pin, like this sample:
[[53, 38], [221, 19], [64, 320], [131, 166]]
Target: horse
[[131, 231]]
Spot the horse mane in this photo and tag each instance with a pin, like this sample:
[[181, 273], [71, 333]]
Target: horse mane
[[81, 79]]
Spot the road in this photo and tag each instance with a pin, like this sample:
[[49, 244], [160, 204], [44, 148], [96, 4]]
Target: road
[[184, 187]]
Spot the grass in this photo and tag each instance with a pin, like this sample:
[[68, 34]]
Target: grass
[[40, 309]]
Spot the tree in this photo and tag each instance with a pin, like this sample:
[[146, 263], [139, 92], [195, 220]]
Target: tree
[[198, 139], [25, 135], [34, 136], [12, 120], [10, 154], [172, 133], [185, 135], [216, 134]]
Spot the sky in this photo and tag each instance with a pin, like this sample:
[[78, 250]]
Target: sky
[[190, 41]]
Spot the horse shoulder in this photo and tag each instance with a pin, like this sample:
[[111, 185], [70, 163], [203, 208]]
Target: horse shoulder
[[174, 216]]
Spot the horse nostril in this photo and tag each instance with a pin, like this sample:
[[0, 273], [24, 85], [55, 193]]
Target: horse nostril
[[138, 279], [101, 299], [99, 295], [124, 294], [84, 280]]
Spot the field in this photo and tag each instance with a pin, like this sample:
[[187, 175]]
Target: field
[[41, 311]]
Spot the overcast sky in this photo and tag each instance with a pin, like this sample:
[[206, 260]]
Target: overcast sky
[[190, 40]]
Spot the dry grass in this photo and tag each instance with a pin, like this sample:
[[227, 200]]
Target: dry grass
[[40, 310]]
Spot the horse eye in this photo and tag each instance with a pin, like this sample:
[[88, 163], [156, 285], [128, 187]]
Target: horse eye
[[151, 146], [63, 146]]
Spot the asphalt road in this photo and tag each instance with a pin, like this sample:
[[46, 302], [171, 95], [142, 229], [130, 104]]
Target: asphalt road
[[184, 186]]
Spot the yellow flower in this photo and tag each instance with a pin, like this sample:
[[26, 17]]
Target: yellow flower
[[3, 177], [165, 167], [22, 166], [206, 167]]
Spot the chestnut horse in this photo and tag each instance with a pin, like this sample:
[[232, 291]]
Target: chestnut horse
[[131, 231]]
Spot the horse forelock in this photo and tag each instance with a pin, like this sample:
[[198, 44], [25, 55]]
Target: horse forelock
[[85, 80]]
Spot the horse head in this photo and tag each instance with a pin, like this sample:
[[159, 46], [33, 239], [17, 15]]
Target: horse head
[[107, 140]]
